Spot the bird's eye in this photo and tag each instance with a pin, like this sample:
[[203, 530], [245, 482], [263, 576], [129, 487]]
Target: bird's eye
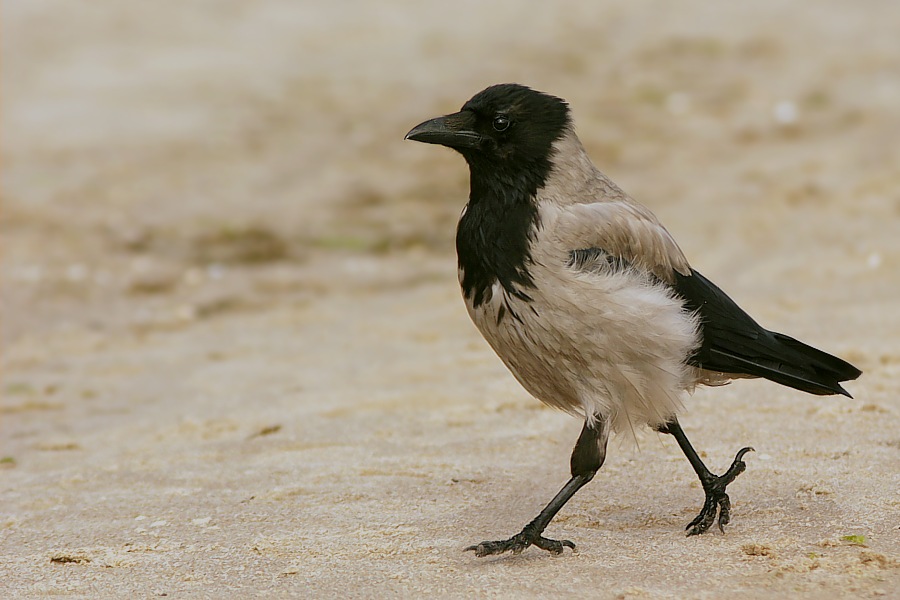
[[501, 123]]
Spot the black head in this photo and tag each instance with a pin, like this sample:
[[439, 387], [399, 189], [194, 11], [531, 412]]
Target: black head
[[505, 125], [506, 134]]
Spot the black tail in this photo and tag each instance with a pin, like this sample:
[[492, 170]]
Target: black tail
[[784, 360], [734, 343]]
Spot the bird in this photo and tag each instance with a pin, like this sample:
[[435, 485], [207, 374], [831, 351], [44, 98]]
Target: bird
[[589, 301]]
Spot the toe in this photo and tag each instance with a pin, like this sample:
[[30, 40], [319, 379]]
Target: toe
[[486, 549], [553, 546], [724, 512]]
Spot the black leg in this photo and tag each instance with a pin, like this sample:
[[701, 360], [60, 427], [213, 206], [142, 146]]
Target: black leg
[[717, 501], [587, 458]]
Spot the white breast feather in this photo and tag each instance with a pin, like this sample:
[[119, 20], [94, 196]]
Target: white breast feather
[[591, 343]]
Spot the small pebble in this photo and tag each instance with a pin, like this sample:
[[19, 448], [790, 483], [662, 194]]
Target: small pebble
[[785, 112]]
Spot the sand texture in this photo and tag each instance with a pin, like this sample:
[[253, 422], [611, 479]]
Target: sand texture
[[235, 361]]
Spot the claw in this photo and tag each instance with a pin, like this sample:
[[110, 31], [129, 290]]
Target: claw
[[519, 542], [742, 452], [704, 520], [553, 546], [724, 512], [717, 501], [737, 466]]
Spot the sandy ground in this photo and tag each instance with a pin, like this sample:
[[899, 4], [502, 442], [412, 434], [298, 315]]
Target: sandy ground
[[235, 361]]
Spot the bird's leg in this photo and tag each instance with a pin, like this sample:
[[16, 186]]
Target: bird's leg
[[587, 458], [717, 500]]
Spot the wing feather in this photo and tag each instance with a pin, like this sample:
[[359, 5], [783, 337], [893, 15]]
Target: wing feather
[[625, 230], [622, 232]]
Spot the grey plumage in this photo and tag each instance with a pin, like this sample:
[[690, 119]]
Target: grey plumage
[[588, 299], [589, 339]]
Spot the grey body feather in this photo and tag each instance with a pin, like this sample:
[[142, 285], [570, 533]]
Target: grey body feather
[[594, 338]]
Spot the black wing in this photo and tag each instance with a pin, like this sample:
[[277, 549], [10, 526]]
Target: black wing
[[734, 343]]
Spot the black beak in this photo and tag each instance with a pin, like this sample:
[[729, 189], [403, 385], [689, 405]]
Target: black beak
[[453, 131]]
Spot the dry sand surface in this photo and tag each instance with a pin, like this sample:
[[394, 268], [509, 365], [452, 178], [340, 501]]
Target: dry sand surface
[[235, 360]]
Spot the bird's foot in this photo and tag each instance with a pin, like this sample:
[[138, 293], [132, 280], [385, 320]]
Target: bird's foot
[[519, 542], [717, 501]]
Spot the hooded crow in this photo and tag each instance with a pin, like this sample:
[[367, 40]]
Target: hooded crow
[[589, 301]]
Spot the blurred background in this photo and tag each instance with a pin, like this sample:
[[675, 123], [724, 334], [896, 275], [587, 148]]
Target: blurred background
[[147, 148], [213, 232]]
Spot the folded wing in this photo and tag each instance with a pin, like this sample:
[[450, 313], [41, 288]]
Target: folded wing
[[628, 234]]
